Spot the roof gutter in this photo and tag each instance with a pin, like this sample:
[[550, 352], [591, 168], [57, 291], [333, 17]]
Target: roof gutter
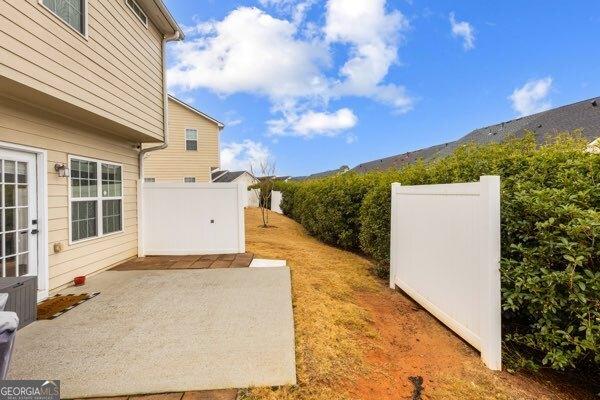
[[165, 143], [165, 11]]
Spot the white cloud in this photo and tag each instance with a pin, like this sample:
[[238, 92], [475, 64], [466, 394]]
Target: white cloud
[[351, 138], [313, 123], [250, 51], [373, 35], [233, 122], [289, 61], [463, 30], [244, 155], [532, 97]]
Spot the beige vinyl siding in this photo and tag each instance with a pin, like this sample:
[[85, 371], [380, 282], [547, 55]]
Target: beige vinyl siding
[[175, 162], [25, 125], [115, 72]]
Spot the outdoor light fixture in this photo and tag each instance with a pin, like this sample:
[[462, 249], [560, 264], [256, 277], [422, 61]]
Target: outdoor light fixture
[[62, 170]]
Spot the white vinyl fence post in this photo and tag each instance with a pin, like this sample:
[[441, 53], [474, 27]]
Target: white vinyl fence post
[[491, 315], [242, 196], [394, 234], [140, 218]]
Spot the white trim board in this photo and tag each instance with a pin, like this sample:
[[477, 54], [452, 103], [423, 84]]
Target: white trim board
[[42, 204]]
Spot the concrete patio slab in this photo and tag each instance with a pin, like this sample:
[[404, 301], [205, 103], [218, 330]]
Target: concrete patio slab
[[166, 331]]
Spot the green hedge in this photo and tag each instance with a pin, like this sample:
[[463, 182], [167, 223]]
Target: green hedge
[[550, 236]]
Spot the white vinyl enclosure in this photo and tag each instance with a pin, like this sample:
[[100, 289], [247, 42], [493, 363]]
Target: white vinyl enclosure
[[445, 254], [191, 218], [276, 198]]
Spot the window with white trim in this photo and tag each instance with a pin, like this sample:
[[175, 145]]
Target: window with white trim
[[137, 10], [189, 179], [191, 139], [72, 12], [96, 198]]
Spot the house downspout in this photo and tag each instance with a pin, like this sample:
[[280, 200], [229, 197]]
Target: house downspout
[[164, 145]]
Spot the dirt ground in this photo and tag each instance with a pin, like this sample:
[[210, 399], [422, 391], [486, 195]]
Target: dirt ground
[[357, 339]]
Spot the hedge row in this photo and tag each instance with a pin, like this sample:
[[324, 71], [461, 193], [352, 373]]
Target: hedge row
[[550, 236]]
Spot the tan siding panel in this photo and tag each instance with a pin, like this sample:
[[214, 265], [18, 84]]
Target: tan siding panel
[[174, 163], [80, 54], [69, 62], [114, 51], [31, 127]]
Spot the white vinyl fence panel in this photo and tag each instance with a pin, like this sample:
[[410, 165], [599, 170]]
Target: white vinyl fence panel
[[253, 198], [445, 254], [276, 198], [192, 218]]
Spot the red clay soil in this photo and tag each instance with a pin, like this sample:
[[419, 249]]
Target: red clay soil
[[411, 342], [408, 344]]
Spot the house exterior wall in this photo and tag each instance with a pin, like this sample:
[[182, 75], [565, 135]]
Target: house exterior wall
[[25, 125], [114, 71], [175, 163]]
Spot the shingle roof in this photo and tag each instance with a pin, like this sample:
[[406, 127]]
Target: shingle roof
[[583, 116], [323, 174], [226, 176]]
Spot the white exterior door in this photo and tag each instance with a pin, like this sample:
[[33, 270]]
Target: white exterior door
[[18, 214]]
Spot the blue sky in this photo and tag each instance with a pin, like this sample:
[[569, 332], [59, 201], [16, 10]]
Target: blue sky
[[313, 85]]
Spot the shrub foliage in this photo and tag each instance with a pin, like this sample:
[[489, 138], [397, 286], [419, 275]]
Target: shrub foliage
[[550, 236]]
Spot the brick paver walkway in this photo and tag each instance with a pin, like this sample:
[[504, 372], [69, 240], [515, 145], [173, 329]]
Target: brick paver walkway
[[241, 260]]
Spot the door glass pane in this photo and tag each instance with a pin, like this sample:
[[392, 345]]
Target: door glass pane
[[9, 219], [9, 195], [23, 264], [1, 247], [22, 172], [22, 195], [23, 241], [11, 266], [9, 243], [9, 171], [22, 219]]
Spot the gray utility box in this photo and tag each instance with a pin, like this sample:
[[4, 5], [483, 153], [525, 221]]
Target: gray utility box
[[22, 297]]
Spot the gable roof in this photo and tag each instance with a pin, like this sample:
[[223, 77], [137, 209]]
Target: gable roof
[[195, 110], [583, 116], [228, 176], [324, 174]]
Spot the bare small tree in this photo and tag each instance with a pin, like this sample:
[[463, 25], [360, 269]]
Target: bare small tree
[[266, 182]]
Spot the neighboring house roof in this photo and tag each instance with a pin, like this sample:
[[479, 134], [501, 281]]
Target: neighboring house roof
[[195, 110], [583, 116], [324, 174], [228, 176]]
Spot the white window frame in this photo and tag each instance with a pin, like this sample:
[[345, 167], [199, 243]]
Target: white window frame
[[185, 179], [186, 139], [145, 23], [83, 34], [98, 199]]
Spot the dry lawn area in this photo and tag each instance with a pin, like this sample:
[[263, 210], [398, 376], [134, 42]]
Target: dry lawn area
[[357, 339]]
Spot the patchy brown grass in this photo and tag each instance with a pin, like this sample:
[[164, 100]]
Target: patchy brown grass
[[357, 339]]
